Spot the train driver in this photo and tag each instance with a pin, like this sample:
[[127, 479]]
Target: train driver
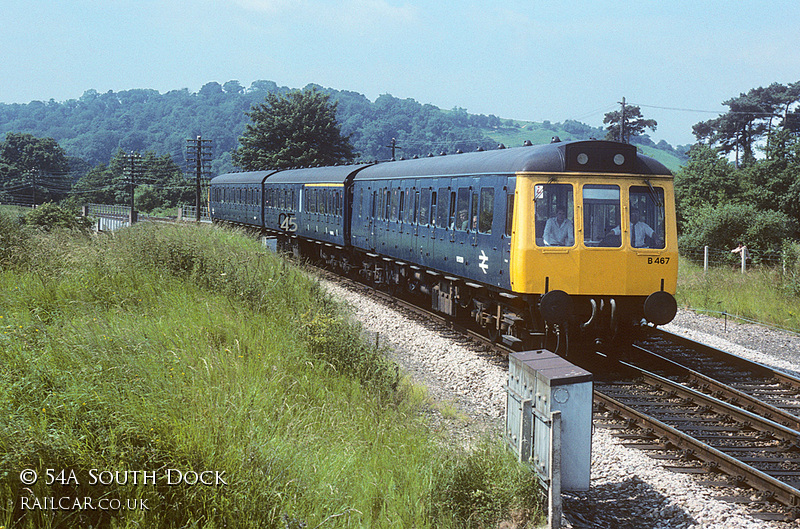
[[558, 230]]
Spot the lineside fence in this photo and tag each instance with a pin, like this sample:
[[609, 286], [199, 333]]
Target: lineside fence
[[189, 213], [786, 259], [110, 218]]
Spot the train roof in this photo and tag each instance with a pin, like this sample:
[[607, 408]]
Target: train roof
[[332, 174], [249, 177], [590, 156], [577, 156]]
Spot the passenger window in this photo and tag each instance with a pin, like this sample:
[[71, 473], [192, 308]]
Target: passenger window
[[647, 217], [433, 208], [486, 210], [553, 210], [443, 208], [462, 210], [452, 214], [395, 202], [601, 215], [424, 206], [473, 213]]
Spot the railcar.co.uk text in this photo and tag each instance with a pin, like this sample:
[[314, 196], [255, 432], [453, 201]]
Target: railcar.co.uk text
[[95, 477]]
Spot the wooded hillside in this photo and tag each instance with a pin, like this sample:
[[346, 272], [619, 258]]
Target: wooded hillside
[[94, 127]]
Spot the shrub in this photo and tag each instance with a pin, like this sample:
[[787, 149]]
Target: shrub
[[726, 225], [483, 486], [49, 216], [13, 241], [340, 344]]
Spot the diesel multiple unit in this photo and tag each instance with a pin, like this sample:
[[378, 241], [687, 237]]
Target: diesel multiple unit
[[532, 244]]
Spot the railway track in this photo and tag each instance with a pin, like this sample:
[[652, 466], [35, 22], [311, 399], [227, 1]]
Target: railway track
[[710, 412], [701, 411], [753, 386]]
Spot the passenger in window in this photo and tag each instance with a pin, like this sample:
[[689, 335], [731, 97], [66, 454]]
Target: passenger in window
[[463, 220], [641, 232], [558, 230]]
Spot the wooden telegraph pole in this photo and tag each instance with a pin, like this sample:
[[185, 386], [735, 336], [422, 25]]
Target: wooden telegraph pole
[[133, 169], [198, 155], [394, 147]]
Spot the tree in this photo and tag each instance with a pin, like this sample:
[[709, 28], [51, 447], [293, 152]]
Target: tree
[[706, 179], [773, 183], [626, 123], [33, 170], [161, 184], [751, 116], [298, 129]]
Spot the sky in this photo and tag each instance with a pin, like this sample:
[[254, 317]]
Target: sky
[[530, 60]]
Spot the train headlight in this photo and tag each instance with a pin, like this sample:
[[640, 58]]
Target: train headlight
[[583, 158], [619, 159]]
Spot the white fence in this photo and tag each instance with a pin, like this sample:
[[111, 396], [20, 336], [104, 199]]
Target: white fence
[[188, 212], [110, 218], [750, 257]]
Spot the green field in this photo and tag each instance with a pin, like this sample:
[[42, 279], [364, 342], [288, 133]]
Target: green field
[[167, 352]]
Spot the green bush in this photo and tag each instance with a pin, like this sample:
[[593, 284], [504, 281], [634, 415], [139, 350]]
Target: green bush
[[340, 344], [483, 486], [725, 226], [50, 216], [13, 241], [790, 284]]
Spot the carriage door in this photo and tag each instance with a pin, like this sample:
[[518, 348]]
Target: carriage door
[[473, 212], [488, 252], [373, 208], [507, 214]]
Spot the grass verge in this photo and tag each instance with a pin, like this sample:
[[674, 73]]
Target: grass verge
[[762, 294], [181, 376]]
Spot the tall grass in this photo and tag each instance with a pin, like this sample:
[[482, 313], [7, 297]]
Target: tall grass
[[762, 294], [192, 349]]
